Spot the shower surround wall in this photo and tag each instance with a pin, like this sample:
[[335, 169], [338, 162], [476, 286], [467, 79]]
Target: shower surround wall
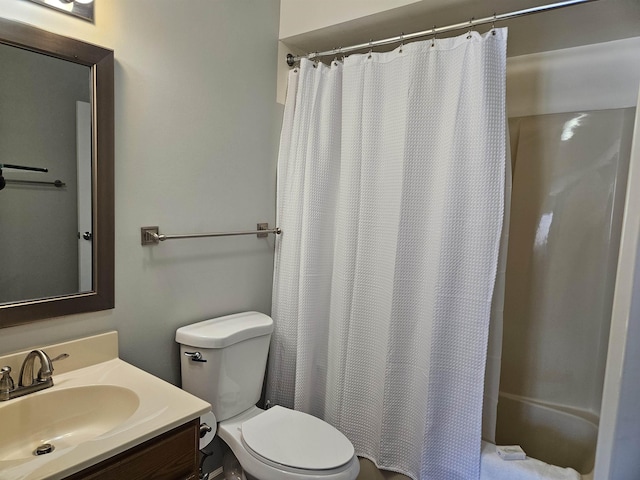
[[570, 173], [589, 78]]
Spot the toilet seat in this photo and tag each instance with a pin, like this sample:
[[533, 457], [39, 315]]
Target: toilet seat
[[296, 440], [262, 468]]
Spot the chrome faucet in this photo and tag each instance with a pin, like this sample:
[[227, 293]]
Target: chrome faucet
[[28, 381]]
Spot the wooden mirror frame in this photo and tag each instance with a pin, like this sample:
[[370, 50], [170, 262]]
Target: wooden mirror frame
[[100, 61]]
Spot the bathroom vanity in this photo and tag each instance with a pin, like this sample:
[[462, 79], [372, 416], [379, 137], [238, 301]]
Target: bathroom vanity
[[102, 418]]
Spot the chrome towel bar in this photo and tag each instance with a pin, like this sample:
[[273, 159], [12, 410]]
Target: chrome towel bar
[[56, 183], [152, 235]]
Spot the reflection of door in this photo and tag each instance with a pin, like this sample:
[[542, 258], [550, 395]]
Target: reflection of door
[[85, 228]]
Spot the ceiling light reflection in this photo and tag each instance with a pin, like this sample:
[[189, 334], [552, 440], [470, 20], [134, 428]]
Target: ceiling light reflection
[[569, 127], [542, 234]]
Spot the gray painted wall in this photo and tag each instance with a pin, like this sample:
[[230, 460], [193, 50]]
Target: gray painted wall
[[38, 224], [196, 146]]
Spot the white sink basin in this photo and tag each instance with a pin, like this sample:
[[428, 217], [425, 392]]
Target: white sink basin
[[98, 407], [62, 418]]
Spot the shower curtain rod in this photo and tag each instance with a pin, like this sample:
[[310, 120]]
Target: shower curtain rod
[[293, 59]]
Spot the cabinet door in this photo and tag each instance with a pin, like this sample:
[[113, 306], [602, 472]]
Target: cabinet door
[[171, 456]]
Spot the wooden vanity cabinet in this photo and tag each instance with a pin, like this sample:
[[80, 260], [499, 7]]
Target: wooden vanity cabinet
[[170, 456]]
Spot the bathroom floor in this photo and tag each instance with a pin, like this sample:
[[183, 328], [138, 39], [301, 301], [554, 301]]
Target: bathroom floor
[[368, 471]]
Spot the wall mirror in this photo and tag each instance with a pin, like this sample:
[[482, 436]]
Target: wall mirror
[[56, 163]]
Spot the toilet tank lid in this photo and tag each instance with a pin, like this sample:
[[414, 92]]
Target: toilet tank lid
[[224, 331]]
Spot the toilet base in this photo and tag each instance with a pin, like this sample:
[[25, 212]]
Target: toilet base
[[231, 468]]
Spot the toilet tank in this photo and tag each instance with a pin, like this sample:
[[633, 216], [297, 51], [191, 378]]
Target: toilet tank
[[229, 370]]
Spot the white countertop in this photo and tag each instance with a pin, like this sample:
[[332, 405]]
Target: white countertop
[[161, 407]]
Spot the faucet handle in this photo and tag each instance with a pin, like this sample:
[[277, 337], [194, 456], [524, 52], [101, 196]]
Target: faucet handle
[[6, 382], [62, 356]]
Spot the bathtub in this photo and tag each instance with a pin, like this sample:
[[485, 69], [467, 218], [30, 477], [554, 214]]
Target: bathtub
[[556, 434]]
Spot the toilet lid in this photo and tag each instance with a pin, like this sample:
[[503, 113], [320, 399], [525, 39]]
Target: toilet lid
[[296, 439]]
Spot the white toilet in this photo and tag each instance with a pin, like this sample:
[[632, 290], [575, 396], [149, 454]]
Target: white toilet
[[223, 361]]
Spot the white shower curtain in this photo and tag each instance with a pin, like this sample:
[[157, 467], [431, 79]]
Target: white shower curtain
[[390, 197]]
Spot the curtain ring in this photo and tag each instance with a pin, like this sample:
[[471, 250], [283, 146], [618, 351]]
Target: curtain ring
[[470, 27], [401, 42], [335, 59], [493, 24], [433, 39], [370, 48]]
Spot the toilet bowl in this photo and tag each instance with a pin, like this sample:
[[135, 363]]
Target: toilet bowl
[[223, 361], [282, 444]]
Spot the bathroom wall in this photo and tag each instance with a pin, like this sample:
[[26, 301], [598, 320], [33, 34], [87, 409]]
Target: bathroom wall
[[196, 132], [298, 16]]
